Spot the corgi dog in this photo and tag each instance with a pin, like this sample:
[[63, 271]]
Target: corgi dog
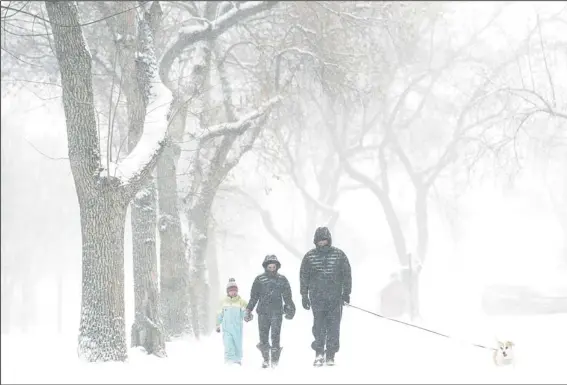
[[504, 353]]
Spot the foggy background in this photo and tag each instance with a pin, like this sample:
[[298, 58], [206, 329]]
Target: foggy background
[[497, 213]]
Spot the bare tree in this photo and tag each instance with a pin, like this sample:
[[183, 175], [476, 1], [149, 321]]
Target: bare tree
[[103, 196], [541, 107], [137, 59], [298, 42], [175, 254], [380, 137]]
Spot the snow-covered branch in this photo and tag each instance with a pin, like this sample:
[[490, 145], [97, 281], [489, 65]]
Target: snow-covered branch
[[241, 125], [193, 34], [350, 15], [459, 133], [238, 152], [139, 163]]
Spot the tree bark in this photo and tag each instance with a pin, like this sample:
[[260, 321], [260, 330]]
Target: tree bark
[[103, 200], [422, 227], [200, 287], [102, 206], [137, 65], [102, 331], [147, 330], [174, 264], [175, 283]]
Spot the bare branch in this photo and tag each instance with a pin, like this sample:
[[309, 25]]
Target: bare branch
[[42, 153], [292, 172], [269, 223], [550, 79], [191, 35], [548, 107]]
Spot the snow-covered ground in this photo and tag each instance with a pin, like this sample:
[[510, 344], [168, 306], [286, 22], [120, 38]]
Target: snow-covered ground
[[373, 351]]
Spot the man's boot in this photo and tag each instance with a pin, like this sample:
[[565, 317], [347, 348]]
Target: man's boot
[[265, 350], [276, 356]]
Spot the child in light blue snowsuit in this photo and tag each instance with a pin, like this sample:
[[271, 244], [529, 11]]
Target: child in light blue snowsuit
[[230, 316]]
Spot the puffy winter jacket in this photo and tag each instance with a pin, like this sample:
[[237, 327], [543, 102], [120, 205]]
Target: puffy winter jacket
[[231, 314], [271, 291], [325, 276]]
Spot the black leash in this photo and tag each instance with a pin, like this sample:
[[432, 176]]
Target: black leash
[[415, 326]]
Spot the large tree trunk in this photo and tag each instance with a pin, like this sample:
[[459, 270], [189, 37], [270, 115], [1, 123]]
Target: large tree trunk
[[102, 331], [199, 211], [147, 330], [415, 266], [136, 63], [200, 286], [412, 280], [174, 265], [103, 200]]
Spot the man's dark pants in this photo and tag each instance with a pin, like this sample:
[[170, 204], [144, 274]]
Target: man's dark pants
[[327, 326]]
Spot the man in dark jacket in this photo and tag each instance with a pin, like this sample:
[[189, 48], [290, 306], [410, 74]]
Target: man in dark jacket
[[325, 285], [272, 292]]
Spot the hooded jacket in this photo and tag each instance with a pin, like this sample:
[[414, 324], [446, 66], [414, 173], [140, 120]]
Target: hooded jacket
[[271, 291], [325, 273]]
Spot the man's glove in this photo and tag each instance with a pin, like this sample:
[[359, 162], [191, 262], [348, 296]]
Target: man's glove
[[248, 316], [305, 302], [346, 298], [218, 329], [289, 312]]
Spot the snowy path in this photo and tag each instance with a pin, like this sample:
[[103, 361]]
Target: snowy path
[[372, 351]]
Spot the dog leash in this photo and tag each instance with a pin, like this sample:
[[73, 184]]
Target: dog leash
[[412, 325]]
